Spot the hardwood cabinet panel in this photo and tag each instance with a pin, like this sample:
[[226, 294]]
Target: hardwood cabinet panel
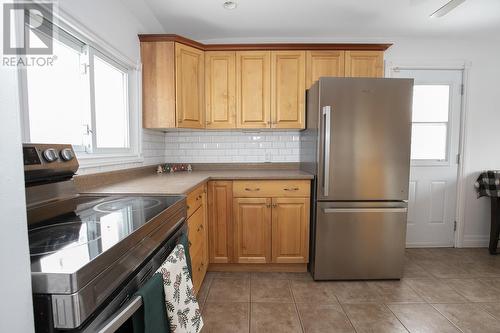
[[271, 188], [220, 89], [253, 80], [194, 200], [290, 230], [198, 237], [189, 86], [288, 89], [252, 222], [364, 64], [220, 202], [324, 63], [158, 84]]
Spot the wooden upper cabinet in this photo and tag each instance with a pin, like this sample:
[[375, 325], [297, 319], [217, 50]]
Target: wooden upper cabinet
[[288, 89], [324, 63], [189, 86], [252, 223], [220, 221], [253, 81], [220, 89], [290, 230], [364, 64], [158, 84]]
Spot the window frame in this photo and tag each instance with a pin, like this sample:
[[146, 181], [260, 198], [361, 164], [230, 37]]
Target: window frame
[[94, 45], [449, 124]]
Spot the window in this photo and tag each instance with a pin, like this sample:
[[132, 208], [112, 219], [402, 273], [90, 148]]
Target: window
[[82, 99], [430, 122]]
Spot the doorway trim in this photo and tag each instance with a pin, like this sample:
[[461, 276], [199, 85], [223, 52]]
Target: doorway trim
[[465, 67]]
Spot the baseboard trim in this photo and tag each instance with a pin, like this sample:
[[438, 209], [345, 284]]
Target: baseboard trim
[[257, 268], [426, 244], [476, 241]]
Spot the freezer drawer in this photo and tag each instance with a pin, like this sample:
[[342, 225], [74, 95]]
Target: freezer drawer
[[355, 242]]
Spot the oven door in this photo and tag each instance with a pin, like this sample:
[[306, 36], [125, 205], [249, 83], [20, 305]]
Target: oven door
[[117, 313]]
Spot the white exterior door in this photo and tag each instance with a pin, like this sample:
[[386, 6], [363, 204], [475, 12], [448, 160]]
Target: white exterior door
[[434, 156]]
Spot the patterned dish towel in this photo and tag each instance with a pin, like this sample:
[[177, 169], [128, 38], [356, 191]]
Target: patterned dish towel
[[488, 184], [183, 312]]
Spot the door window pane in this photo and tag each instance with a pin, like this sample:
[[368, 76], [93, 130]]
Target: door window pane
[[431, 103], [110, 105], [428, 141], [58, 99]]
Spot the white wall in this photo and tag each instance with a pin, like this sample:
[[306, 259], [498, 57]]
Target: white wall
[[231, 146], [482, 148], [16, 309], [118, 23]]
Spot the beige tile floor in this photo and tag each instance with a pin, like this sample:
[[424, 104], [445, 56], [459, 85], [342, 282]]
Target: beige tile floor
[[443, 290]]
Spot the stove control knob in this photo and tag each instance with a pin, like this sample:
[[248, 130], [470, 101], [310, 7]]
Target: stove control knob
[[67, 154], [50, 155]]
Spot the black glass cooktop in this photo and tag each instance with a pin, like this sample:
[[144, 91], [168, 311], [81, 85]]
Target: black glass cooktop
[[66, 235]]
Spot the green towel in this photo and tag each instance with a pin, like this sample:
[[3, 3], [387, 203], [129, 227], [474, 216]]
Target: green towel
[[183, 240], [152, 316]]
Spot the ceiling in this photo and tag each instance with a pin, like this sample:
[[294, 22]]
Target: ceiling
[[334, 20]]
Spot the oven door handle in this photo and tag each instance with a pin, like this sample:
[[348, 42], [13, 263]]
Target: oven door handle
[[120, 318]]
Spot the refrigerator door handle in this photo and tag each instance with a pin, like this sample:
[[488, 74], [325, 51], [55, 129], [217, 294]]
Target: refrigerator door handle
[[326, 149], [364, 210]]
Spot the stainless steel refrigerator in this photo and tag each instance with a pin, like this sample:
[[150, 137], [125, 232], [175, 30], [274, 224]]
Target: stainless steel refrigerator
[[357, 143]]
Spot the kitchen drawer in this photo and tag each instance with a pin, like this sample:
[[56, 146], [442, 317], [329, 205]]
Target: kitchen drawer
[[194, 199], [199, 268], [271, 188], [196, 230]]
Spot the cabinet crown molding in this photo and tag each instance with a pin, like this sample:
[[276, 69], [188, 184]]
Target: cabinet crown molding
[[263, 46]]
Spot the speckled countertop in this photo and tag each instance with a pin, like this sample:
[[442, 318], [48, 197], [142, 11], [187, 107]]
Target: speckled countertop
[[184, 182]]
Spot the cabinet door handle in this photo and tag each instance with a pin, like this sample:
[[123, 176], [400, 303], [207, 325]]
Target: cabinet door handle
[[275, 205], [268, 205], [291, 189], [252, 189]]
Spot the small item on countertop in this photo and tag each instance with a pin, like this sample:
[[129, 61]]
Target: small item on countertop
[[159, 169], [171, 168]]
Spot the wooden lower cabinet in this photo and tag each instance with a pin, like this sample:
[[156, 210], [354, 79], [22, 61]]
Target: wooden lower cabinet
[[220, 224], [290, 230], [252, 230], [248, 232], [198, 237]]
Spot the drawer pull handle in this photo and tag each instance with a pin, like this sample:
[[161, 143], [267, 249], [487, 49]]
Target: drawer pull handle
[[252, 189], [291, 189]]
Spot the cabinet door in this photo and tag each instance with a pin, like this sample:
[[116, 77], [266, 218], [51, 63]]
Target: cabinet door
[[290, 240], [158, 84], [253, 80], [196, 249], [189, 86], [220, 202], [220, 89], [323, 63], [288, 70], [252, 222], [364, 64]]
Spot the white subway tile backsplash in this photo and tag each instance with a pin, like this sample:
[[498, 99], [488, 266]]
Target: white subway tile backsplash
[[231, 146]]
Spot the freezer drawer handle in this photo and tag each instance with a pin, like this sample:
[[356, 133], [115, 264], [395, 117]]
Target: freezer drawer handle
[[364, 210], [326, 150]]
